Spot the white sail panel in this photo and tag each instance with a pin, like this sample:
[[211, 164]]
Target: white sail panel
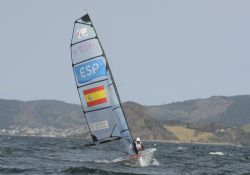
[[105, 118], [85, 50], [103, 124], [82, 32], [110, 123], [90, 71], [128, 142], [124, 131]]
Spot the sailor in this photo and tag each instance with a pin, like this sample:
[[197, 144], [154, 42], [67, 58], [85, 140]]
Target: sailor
[[138, 144]]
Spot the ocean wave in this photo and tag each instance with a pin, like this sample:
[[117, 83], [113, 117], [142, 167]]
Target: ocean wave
[[13, 170], [93, 171]]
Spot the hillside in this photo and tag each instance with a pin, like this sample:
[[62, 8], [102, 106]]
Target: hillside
[[39, 113], [57, 116], [143, 125], [230, 111], [215, 119]]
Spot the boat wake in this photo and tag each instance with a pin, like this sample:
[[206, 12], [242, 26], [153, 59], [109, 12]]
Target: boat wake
[[103, 161], [155, 162]]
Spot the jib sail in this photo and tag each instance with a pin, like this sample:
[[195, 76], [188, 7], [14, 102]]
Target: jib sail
[[96, 87]]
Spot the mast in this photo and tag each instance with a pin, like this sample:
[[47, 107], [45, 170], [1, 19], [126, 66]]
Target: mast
[[113, 81]]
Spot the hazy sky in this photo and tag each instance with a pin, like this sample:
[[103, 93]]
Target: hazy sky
[[160, 51]]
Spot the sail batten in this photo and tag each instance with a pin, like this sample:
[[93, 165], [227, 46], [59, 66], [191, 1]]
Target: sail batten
[[114, 107], [96, 87]]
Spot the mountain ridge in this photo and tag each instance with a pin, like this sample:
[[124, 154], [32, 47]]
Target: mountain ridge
[[218, 118]]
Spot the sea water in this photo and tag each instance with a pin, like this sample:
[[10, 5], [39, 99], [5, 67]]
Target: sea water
[[37, 155]]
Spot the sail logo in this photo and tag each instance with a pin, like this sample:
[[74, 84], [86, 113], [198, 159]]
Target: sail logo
[[90, 71], [82, 32], [86, 50], [99, 125], [95, 96]]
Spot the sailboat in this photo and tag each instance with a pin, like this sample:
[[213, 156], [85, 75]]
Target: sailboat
[[99, 96]]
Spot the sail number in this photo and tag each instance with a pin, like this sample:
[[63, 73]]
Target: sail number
[[90, 70]]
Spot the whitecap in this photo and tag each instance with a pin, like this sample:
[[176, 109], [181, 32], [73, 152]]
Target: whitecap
[[217, 153], [181, 148]]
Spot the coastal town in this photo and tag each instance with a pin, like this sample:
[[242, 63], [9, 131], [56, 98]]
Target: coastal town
[[14, 130]]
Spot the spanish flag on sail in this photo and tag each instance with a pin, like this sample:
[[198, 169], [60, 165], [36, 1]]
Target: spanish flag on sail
[[95, 96]]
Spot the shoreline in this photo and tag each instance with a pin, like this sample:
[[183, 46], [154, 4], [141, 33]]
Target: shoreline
[[181, 142], [162, 141]]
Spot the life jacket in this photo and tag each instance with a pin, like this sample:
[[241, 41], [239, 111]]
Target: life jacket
[[138, 146]]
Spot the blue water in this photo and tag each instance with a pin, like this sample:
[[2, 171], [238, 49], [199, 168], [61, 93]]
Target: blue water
[[34, 155]]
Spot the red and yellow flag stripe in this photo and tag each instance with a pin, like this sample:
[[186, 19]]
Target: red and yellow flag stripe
[[95, 96]]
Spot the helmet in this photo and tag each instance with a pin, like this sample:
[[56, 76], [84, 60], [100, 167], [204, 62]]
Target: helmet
[[138, 139]]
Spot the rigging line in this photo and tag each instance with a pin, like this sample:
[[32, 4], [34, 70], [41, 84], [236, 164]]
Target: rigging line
[[118, 119], [85, 125], [113, 129]]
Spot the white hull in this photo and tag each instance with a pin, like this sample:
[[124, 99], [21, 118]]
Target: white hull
[[143, 159]]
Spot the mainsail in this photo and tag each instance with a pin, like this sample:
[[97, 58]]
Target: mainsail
[[100, 100]]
